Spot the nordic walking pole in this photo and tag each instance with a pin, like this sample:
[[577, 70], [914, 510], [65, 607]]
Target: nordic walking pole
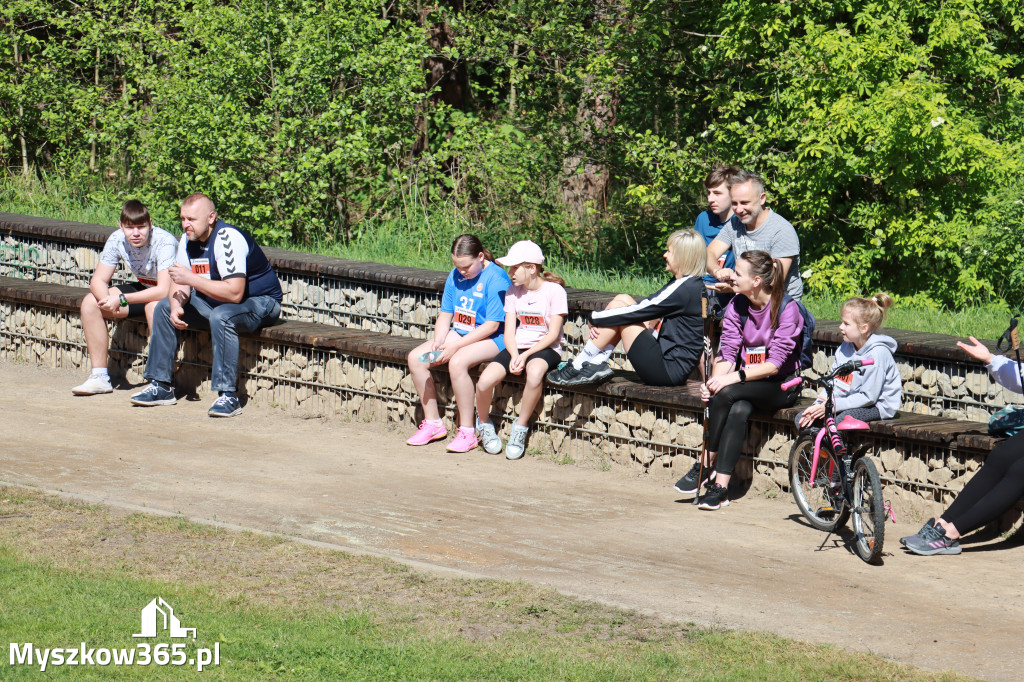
[[1013, 336], [1015, 342], [708, 312]]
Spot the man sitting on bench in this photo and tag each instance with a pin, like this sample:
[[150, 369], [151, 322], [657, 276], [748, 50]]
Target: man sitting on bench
[[223, 282]]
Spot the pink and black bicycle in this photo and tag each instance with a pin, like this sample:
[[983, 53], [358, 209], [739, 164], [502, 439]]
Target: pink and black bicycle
[[832, 483]]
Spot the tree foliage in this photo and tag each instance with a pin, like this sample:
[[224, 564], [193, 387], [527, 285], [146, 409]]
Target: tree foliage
[[889, 133]]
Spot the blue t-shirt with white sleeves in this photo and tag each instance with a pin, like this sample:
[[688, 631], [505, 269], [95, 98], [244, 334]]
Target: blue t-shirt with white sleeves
[[472, 302], [709, 225]]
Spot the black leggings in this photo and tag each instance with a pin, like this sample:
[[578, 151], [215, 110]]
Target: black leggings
[[731, 408], [993, 489]]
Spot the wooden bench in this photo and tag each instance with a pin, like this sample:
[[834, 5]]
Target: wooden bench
[[939, 431]]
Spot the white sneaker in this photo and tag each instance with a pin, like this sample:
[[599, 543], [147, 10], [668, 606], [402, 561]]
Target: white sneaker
[[516, 445], [96, 383], [488, 438]]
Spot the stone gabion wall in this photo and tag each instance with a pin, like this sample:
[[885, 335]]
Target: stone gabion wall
[[585, 429], [957, 390]]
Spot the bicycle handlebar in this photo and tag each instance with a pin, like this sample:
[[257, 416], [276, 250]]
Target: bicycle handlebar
[[845, 368]]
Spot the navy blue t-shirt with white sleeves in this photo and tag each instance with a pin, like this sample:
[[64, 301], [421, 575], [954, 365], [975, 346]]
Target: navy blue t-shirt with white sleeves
[[709, 225], [471, 302], [227, 253]]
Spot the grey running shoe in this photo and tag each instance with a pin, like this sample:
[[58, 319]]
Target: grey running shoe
[[716, 497], [96, 383], [689, 485], [516, 442], [932, 540], [226, 405], [154, 394], [928, 524], [587, 374], [489, 438]]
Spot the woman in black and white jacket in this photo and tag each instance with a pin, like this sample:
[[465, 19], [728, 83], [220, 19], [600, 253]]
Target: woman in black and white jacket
[[662, 334]]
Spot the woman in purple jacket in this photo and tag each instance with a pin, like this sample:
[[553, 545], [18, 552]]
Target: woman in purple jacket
[[752, 363]]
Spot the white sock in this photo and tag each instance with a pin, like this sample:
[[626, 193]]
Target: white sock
[[435, 422], [592, 354], [100, 372]]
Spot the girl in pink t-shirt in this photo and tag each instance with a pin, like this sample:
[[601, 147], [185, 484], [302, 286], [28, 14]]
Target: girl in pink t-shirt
[[535, 311]]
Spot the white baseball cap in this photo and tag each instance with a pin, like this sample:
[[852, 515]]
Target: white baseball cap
[[522, 252]]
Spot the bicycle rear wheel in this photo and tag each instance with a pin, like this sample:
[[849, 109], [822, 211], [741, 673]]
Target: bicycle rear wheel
[[868, 511], [821, 500]]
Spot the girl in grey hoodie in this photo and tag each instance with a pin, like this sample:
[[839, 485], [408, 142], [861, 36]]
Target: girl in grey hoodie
[[875, 391]]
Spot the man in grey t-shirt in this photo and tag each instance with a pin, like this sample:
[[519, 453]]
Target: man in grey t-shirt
[[762, 230]]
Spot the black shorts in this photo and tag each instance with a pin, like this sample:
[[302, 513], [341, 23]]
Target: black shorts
[[134, 309], [647, 360], [504, 358]]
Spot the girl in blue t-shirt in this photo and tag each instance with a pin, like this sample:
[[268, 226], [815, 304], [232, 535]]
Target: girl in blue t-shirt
[[467, 332]]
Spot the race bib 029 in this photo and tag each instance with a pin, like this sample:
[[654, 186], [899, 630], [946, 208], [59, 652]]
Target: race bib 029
[[464, 320]]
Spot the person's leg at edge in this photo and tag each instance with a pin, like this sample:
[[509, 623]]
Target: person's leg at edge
[[732, 441], [738, 401], [600, 348], [163, 343], [492, 375], [423, 381], [864, 414], [94, 326], [465, 359], [535, 370], [997, 485], [225, 322]]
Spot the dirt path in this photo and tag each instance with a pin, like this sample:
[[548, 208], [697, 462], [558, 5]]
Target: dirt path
[[600, 535]]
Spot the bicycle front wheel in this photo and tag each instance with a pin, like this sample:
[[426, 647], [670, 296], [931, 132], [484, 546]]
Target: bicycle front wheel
[[868, 511], [820, 501]]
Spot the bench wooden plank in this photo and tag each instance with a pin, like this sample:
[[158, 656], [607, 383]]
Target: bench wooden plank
[[623, 386]]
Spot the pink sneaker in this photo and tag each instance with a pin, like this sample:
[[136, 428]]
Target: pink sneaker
[[428, 433], [465, 440]]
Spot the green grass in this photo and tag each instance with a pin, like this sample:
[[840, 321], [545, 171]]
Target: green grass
[[422, 240], [72, 573]]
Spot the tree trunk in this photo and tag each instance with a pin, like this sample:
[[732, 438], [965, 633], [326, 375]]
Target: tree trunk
[[96, 82], [586, 182], [586, 177], [21, 117]]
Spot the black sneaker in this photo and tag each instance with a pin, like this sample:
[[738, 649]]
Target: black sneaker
[[587, 374], [689, 485], [716, 497]]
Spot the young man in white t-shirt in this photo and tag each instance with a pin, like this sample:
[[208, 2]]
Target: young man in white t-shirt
[[149, 252]]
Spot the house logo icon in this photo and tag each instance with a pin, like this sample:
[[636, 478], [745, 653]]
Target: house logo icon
[[158, 611]]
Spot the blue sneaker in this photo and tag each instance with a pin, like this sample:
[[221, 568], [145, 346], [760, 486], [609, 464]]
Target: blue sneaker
[[226, 405], [154, 394]]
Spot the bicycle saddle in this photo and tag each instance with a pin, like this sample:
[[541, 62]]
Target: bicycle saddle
[[851, 424]]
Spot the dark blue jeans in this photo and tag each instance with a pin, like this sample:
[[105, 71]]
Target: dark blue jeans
[[223, 321]]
